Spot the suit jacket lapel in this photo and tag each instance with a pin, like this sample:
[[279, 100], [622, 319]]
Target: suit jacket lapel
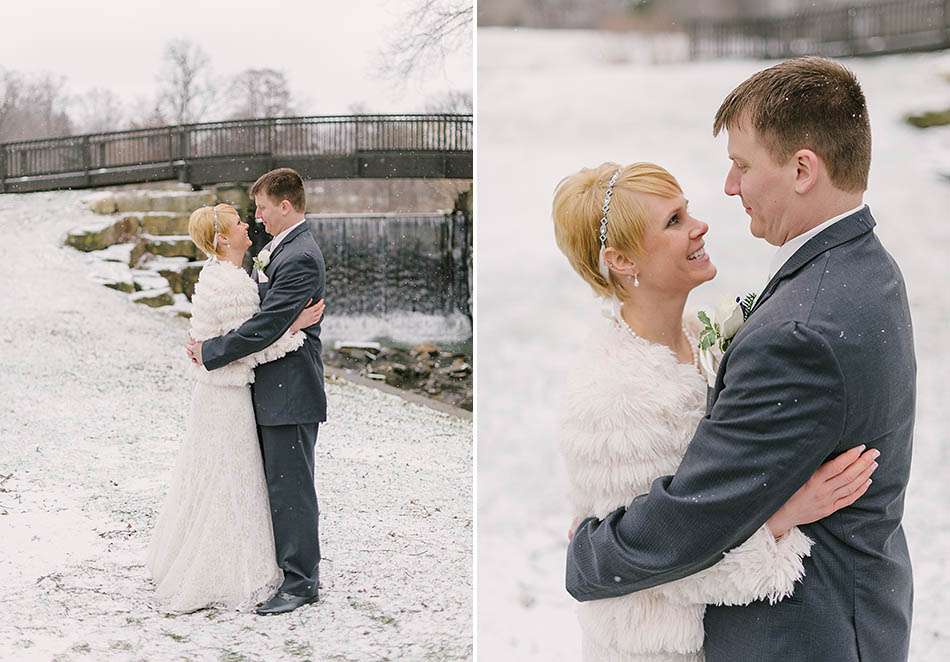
[[848, 228], [296, 232]]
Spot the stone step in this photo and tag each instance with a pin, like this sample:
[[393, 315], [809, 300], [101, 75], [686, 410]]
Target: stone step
[[159, 222], [182, 306], [145, 279], [100, 235], [116, 275], [172, 246], [179, 202], [127, 254], [180, 272], [236, 195], [101, 202], [155, 298]]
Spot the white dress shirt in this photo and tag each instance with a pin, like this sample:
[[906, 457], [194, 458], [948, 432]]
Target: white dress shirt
[[272, 246], [790, 247]]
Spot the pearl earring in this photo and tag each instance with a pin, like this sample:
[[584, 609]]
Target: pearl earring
[[636, 280]]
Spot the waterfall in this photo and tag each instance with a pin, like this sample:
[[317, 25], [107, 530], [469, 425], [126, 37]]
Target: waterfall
[[404, 277]]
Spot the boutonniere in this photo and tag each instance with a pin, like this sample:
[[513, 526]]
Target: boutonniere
[[260, 263], [719, 331]]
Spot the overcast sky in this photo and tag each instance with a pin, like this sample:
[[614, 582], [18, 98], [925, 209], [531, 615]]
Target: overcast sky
[[327, 48]]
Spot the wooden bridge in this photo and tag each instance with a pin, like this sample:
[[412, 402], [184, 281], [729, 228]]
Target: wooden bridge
[[896, 26], [323, 147]]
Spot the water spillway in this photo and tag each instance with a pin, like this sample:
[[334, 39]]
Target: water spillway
[[400, 276]]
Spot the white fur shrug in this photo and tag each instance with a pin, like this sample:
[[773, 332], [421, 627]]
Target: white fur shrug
[[225, 297], [630, 411]]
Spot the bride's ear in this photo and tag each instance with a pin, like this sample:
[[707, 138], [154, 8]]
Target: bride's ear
[[620, 263]]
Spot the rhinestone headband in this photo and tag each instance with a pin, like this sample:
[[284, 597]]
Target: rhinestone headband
[[216, 226], [604, 270]]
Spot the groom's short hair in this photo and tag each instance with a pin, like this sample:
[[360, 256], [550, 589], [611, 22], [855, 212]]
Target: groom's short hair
[[806, 103], [282, 184]]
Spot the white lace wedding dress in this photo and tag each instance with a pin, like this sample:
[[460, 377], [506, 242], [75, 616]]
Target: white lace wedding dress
[[213, 544]]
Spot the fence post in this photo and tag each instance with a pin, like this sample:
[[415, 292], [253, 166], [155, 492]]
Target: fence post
[[946, 23], [183, 153], [86, 159], [851, 13], [691, 34], [271, 139], [3, 169], [182, 144]]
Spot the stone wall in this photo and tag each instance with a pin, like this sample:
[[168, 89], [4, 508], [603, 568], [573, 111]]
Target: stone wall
[[381, 196]]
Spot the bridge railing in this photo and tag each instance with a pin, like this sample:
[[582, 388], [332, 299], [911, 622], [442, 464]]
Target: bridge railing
[[286, 136], [859, 29]]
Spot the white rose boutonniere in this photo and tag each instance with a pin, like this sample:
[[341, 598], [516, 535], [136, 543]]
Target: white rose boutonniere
[[719, 331], [260, 263]]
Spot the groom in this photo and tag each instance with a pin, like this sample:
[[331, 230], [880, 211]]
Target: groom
[[824, 361], [289, 397]]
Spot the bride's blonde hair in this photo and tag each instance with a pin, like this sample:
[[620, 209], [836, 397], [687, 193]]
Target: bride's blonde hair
[[578, 209], [201, 227]]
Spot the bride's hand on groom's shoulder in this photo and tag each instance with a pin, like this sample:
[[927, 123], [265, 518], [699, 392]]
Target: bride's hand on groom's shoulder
[[308, 316], [835, 485]]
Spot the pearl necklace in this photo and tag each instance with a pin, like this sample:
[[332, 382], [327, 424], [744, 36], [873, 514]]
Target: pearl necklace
[[689, 340], [692, 349]]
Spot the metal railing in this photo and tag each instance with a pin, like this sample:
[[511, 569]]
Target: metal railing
[[871, 29], [333, 135]]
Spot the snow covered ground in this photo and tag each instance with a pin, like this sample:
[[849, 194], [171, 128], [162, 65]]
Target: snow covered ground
[[92, 403], [550, 103]]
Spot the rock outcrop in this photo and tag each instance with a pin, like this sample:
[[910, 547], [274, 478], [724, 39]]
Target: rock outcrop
[[141, 245]]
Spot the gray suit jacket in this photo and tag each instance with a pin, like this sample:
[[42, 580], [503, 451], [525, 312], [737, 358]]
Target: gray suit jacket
[[825, 362], [289, 390]]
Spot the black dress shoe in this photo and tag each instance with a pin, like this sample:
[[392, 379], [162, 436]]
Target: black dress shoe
[[283, 603]]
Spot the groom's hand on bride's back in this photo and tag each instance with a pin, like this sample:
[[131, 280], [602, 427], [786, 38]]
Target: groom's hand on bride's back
[[836, 484], [309, 316], [193, 348], [573, 528]]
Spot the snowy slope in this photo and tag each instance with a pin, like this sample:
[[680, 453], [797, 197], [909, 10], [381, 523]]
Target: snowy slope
[[94, 391]]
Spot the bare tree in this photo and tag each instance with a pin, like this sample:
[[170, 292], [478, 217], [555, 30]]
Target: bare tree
[[261, 93], [186, 87], [427, 34], [99, 110], [359, 108], [47, 102], [33, 107], [145, 113], [10, 89], [453, 101]]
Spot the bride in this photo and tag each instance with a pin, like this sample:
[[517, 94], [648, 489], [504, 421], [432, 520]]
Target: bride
[[213, 544], [637, 395]]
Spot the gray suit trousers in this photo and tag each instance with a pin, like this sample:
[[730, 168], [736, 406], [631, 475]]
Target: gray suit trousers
[[288, 467]]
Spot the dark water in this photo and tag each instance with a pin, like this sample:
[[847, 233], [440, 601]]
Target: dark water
[[380, 265]]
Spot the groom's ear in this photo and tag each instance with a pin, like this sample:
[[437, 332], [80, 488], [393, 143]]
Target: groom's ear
[[807, 165]]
